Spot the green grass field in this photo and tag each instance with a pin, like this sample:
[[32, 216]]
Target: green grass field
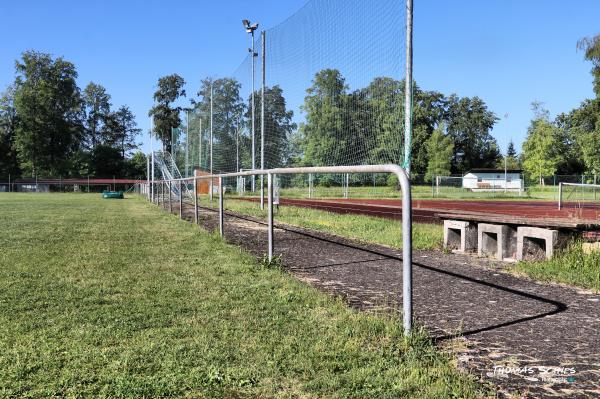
[[115, 298], [365, 228]]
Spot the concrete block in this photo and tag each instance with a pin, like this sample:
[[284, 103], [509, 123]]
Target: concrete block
[[460, 235], [535, 243], [496, 240]]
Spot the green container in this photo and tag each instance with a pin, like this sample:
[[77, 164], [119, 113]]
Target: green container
[[113, 194]]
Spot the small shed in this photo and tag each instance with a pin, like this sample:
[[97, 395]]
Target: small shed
[[493, 180]]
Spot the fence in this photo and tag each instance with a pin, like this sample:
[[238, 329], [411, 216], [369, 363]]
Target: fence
[[579, 194], [156, 190], [82, 184], [517, 185], [323, 88]]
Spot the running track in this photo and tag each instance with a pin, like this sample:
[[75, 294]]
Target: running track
[[427, 210]]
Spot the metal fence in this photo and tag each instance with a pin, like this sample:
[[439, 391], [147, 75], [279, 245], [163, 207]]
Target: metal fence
[[86, 184], [579, 193], [154, 190]]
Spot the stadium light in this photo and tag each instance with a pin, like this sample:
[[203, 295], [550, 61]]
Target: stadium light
[[250, 28]]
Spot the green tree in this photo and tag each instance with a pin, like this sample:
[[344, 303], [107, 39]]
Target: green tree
[[49, 108], [165, 115], [583, 131], [96, 103], [511, 159], [136, 166], [106, 162], [429, 109], [121, 130], [9, 164], [324, 105], [439, 151], [511, 152], [469, 124], [228, 108], [540, 147], [278, 127], [591, 47]]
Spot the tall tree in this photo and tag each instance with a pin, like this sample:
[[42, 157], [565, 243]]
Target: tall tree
[[9, 164], [374, 116], [591, 47], [469, 125], [97, 109], [136, 166], [165, 115], [540, 148], [511, 159], [278, 127], [429, 110], [324, 104], [228, 108], [49, 106], [439, 150], [121, 130], [511, 151]]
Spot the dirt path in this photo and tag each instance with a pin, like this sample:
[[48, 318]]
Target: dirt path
[[548, 335]]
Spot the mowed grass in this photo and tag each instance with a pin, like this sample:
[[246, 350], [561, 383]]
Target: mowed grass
[[571, 266], [115, 298], [365, 228]]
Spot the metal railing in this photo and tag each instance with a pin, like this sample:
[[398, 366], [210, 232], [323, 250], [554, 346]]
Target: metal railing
[[583, 185], [403, 180]]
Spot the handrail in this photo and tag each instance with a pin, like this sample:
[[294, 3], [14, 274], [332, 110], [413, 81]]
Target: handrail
[[403, 180]]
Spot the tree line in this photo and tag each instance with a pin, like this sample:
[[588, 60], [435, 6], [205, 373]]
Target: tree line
[[49, 127], [340, 126], [570, 143]]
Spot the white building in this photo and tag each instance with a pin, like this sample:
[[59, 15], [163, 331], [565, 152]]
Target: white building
[[493, 179]]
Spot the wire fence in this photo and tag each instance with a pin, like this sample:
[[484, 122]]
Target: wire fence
[[58, 184], [323, 88]]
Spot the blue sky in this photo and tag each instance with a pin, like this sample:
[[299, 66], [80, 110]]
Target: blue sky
[[508, 52]]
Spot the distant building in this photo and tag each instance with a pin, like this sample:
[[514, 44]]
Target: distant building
[[493, 180]]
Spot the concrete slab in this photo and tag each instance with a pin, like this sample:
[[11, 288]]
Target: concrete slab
[[460, 236], [496, 240], [535, 243]]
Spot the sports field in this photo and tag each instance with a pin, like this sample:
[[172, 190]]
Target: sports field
[[114, 298]]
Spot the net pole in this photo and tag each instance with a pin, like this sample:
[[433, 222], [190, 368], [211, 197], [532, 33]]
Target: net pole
[[152, 161], [252, 106], [262, 121], [147, 177], [211, 140], [408, 87], [187, 142], [559, 195]]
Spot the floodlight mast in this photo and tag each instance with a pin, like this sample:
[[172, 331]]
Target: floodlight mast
[[250, 28]]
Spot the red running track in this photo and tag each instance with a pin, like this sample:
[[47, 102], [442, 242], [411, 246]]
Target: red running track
[[426, 210]]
